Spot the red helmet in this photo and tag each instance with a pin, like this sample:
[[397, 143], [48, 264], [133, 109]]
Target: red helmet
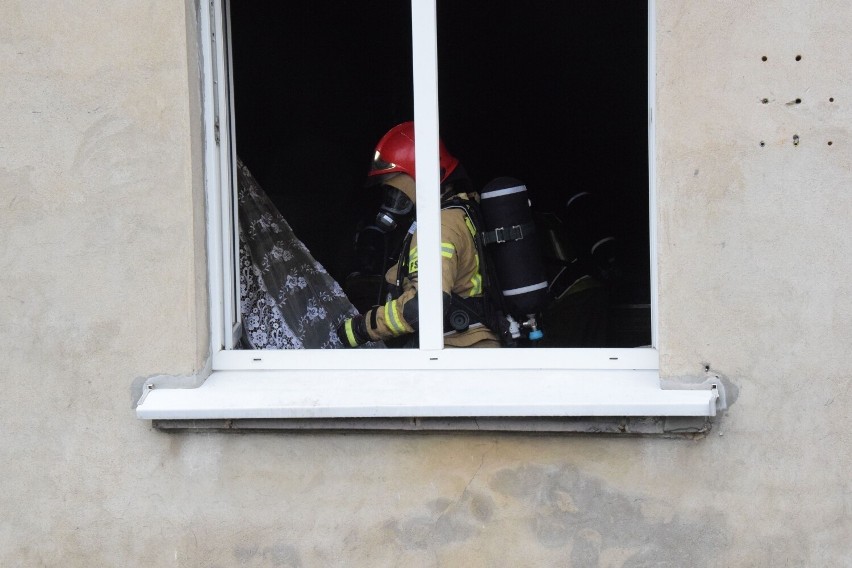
[[395, 154]]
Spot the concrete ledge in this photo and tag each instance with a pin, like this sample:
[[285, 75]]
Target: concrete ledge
[[577, 425]]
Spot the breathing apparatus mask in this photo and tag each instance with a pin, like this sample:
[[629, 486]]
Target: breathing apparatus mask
[[396, 208]]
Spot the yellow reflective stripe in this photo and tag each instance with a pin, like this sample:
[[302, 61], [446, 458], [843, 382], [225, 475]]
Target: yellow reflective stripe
[[476, 279], [412, 260], [470, 226], [350, 335], [448, 250], [476, 282], [393, 319]]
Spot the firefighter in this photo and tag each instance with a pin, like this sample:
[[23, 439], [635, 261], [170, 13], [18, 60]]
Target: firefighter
[[462, 281]]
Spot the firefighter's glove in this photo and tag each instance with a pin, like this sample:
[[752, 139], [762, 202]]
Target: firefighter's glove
[[353, 331]]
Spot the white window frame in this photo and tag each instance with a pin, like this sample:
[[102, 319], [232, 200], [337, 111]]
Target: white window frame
[[427, 382]]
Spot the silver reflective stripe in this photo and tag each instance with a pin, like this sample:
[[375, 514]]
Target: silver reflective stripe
[[600, 242], [525, 289], [581, 194], [502, 192]]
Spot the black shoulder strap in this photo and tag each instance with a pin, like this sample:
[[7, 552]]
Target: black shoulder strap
[[402, 263]]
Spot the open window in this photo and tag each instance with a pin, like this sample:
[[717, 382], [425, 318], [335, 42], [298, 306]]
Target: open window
[[557, 96]]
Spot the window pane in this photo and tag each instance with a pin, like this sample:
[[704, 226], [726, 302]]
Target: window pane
[[555, 96], [316, 85]]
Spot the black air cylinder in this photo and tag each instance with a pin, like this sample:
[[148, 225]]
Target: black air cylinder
[[510, 237]]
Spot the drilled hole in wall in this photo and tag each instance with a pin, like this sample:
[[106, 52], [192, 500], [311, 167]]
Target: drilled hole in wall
[[798, 58], [831, 99], [762, 143], [764, 101], [830, 142], [763, 58], [798, 101]]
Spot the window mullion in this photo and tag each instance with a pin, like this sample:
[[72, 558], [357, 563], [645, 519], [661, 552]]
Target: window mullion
[[425, 65]]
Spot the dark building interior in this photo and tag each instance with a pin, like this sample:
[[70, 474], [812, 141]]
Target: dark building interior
[[551, 93]]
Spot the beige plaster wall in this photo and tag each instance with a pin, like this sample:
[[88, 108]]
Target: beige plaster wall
[[101, 282]]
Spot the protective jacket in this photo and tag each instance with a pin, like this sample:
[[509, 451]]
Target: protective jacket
[[460, 270]]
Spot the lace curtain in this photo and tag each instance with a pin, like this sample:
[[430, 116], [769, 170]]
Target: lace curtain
[[287, 299]]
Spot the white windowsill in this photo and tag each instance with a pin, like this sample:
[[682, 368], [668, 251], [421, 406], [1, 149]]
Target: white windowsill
[[438, 393]]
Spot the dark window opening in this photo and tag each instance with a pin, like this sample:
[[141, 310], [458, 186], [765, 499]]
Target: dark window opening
[[554, 94]]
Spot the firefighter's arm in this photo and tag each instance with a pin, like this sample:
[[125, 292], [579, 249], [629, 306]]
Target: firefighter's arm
[[400, 316], [396, 317], [353, 331], [453, 244]]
